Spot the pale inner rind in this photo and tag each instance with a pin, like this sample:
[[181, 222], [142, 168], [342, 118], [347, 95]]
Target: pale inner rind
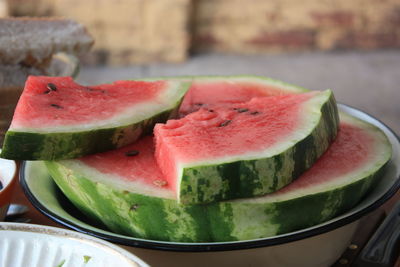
[[117, 182]]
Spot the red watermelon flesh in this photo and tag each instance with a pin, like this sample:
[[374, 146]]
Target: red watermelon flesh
[[142, 166], [216, 91], [71, 103], [213, 133], [133, 167]]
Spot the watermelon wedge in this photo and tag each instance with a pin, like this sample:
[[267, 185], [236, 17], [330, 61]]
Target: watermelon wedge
[[245, 149], [138, 202], [57, 118], [211, 91]]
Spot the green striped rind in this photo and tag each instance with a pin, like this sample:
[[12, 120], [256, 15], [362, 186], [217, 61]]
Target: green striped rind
[[248, 178], [65, 145], [164, 219], [129, 213], [231, 219]]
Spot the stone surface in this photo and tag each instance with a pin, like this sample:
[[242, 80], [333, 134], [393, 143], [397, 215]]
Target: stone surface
[[366, 80]]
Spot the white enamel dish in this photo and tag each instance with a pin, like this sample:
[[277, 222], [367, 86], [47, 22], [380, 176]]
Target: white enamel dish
[[319, 245], [29, 245]]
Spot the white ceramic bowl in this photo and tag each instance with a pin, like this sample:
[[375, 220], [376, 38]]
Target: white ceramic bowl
[[320, 245], [8, 180], [29, 245]]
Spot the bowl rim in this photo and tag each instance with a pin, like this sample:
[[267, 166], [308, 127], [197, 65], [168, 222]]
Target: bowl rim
[[221, 246]]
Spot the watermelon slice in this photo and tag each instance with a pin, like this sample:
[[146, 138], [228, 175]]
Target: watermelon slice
[[138, 202], [210, 91], [247, 149], [57, 118]]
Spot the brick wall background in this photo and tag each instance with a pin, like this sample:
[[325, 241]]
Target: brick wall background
[[142, 31], [255, 26], [132, 31]]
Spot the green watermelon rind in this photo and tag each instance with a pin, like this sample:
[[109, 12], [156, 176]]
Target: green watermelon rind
[[207, 183], [130, 213], [26, 145], [287, 216], [164, 219]]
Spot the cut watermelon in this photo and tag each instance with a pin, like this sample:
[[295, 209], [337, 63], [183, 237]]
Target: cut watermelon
[[57, 118], [247, 149], [137, 201], [210, 91]]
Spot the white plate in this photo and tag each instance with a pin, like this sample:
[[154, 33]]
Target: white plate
[[26, 245]]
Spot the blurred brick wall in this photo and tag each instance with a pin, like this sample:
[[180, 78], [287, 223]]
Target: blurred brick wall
[[144, 31], [125, 31], [129, 31], [253, 26]]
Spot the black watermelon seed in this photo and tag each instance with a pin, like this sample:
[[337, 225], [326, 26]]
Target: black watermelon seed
[[134, 207], [210, 110], [198, 104], [160, 183], [131, 153], [254, 113], [51, 87], [56, 106], [95, 90], [241, 110], [225, 123]]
